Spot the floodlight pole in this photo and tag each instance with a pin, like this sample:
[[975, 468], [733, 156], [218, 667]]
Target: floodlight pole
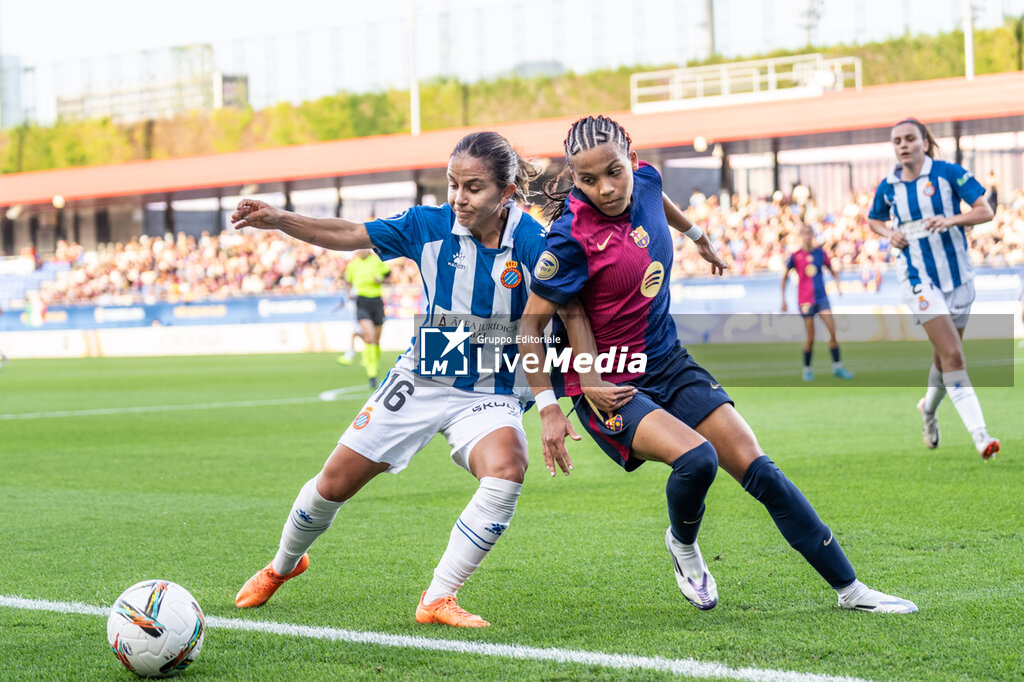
[[414, 84], [968, 40]]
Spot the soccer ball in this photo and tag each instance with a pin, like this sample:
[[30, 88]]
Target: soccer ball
[[156, 628]]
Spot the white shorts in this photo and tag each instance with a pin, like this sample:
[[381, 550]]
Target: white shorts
[[407, 411], [928, 301]]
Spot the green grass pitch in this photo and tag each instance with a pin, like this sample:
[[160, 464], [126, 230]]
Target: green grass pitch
[[99, 490]]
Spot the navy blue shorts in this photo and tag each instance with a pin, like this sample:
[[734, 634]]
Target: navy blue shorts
[[370, 308], [812, 309], [679, 386]]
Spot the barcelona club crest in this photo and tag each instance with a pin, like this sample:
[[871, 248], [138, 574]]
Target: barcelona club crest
[[640, 236], [510, 276], [614, 423]]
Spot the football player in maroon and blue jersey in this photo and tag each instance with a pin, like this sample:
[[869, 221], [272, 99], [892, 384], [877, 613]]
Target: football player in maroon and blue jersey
[[610, 247], [809, 263]]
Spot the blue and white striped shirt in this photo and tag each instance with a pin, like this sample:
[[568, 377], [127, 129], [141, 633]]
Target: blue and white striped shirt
[[940, 258], [464, 281]]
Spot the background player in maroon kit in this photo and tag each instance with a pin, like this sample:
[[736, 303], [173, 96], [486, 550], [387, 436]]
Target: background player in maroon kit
[[809, 262]]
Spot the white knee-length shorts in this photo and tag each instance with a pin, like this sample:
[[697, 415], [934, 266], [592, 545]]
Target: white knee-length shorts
[[927, 301], [406, 411]]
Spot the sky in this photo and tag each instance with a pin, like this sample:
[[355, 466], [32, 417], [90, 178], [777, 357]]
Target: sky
[[54, 30], [44, 31], [301, 49]]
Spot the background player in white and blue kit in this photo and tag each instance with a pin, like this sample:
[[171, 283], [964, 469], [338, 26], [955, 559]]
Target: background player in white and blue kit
[[475, 255], [921, 196]]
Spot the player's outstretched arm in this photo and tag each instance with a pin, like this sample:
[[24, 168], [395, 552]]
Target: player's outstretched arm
[[555, 427], [330, 233], [678, 220]]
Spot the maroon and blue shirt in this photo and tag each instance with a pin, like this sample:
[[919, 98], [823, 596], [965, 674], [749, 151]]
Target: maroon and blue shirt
[[809, 265], [619, 268]]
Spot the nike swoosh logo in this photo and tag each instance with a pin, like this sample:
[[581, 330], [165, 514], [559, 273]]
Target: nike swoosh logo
[[600, 247], [714, 385], [829, 541]]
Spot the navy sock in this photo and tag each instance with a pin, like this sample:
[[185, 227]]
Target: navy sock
[[692, 475], [835, 353], [807, 358], [798, 522]]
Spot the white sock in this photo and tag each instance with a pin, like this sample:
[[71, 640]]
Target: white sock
[[850, 589], [689, 558], [965, 400], [479, 526], [310, 516], [936, 390]]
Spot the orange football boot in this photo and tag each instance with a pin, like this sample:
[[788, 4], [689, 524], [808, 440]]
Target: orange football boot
[[447, 611], [262, 586]]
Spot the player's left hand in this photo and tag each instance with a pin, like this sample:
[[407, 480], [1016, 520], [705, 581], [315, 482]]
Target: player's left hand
[[555, 426], [937, 223], [608, 397], [708, 253]]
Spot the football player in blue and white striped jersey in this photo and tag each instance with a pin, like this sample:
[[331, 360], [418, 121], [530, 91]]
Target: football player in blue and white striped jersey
[[476, 255], [922, 196]]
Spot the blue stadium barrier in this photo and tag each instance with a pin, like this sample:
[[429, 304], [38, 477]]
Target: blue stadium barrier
[[722, 295]]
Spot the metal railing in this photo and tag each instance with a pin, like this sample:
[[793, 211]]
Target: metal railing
[[736, 82]]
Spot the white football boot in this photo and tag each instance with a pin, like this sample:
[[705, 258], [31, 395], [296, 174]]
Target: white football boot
[[699, 588], [860, 597], [930, 428]]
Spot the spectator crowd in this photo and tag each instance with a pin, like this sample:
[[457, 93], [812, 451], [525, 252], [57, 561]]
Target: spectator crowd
[[751, 235]]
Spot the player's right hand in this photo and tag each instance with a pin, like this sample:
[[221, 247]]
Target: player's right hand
[[256, 213], [784, 307], [898, 240], [555, 426]]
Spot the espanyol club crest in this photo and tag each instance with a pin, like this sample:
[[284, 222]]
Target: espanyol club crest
[[929, 189], [614, 423], [510, 276], [922, 303], [640, 236], [362, 419]]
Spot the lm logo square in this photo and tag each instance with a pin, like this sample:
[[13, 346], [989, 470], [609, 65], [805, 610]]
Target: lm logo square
[[444, 351]]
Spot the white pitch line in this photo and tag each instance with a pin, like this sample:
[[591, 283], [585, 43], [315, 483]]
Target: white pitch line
[[325, 396], [687, 666]]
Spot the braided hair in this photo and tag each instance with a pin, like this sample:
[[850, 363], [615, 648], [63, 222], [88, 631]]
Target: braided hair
[[584, 134], [506, 166]]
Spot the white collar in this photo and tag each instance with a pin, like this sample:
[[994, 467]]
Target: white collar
[[897, 172]]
